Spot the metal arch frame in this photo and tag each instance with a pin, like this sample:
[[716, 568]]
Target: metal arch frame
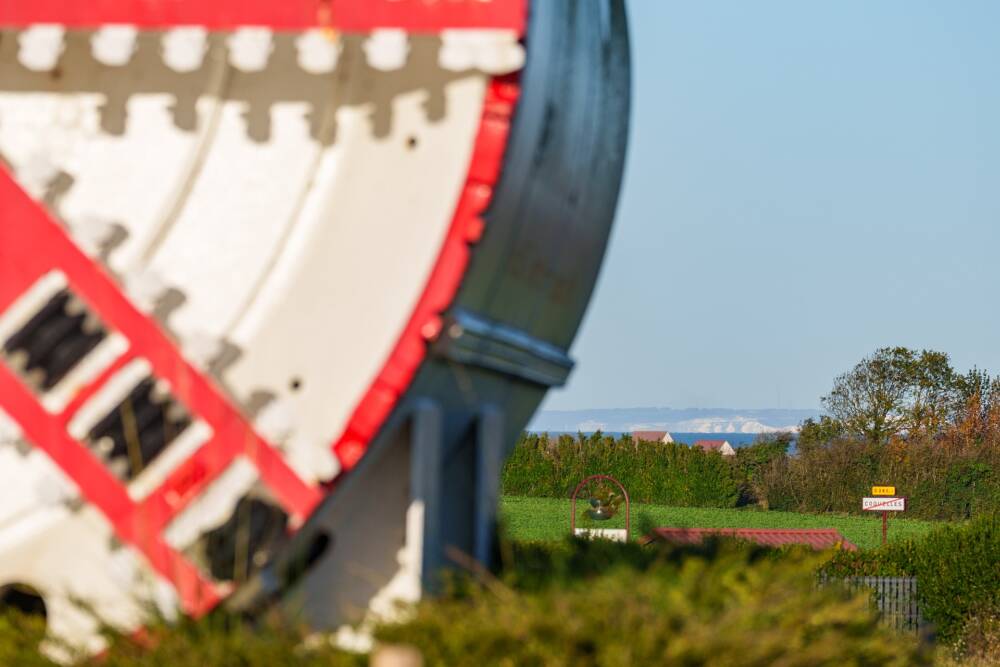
[[628, 503]]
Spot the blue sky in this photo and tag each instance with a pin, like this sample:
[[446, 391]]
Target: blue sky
[[807, 181]]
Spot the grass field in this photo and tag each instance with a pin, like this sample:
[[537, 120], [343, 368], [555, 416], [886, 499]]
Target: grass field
[[548, 519]]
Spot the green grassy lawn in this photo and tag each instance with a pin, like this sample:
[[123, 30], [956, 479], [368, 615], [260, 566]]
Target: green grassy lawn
[[548, 519]]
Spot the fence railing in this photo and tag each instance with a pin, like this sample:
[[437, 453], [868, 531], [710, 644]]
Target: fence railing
[[895, 597]]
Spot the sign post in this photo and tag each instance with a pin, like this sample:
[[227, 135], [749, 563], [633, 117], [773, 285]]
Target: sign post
[[885, 501]]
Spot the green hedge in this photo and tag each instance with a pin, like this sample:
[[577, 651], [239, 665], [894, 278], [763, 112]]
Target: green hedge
[[617, 605], [665, 474], [957, 570], [941, 479], [944, 478]]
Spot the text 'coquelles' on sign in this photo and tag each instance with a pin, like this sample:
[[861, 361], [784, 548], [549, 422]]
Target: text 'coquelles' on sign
[[882, 504]]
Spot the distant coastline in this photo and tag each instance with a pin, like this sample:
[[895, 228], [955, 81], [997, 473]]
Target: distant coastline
[[737, 440], [703, 421]]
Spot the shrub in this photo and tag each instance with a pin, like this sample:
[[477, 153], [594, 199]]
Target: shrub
[[20, 637], [753, 461], [222, 640], [957, 570], [615, 605], [669, 474], [948, 477], [979, 645], [216, 641], [575, 602], [943, 478]]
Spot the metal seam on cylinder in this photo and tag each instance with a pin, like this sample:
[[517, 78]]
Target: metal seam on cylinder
[[471, 339]]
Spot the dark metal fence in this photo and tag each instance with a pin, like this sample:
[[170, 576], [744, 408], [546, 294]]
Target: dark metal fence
[[895, 597]]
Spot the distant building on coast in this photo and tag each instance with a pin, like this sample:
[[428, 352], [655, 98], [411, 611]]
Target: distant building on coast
[[721, 446], [652, 436]]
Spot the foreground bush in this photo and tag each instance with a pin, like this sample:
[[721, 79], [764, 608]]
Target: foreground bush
[[20, 637], [979, 645], [222, 641], [665, 474], [957, 570], [217, 641], [736, 606], [603, 603]]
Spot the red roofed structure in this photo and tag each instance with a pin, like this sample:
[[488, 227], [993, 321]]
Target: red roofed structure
[[652, 436], [819, 539], [721, 446]]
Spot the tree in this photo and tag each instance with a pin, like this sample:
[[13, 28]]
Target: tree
[[932, 387], [977, 405], [813, 433], [895, 391]]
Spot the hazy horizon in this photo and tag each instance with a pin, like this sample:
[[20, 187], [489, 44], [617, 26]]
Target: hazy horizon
[[678, 420]]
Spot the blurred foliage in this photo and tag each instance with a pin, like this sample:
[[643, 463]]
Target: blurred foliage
[[957, 570], [215, 641], [20, 637], [605, 603], [610, 604], [979, 645], [222, 640]]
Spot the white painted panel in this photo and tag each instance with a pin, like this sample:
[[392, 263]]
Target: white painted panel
[[370, 233], [28, 478], [235, 216], [68, 555], [125, 138], [613, 534]]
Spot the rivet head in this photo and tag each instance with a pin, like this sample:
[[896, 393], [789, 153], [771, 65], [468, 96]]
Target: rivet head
[[431, 328]]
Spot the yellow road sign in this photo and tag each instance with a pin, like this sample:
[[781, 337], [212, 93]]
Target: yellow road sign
[[883, 490]]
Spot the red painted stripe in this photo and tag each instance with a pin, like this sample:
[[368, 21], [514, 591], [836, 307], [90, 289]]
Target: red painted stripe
[[424, 323], [186, 482], [26, 227], [12, 261], [98, 485], [193, 476], [35, 229], [343, 15], [103, 490]]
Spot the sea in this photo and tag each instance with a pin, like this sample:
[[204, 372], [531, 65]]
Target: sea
[[737, 440]]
